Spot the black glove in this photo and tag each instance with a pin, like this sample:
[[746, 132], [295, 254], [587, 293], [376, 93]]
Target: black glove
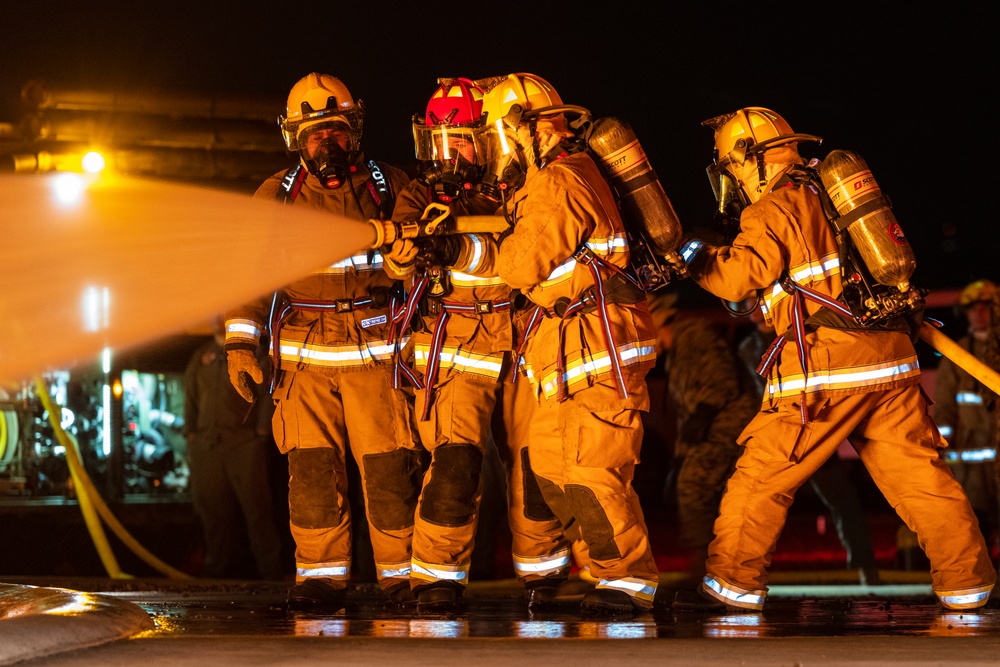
[[435, 251], [696, 427]]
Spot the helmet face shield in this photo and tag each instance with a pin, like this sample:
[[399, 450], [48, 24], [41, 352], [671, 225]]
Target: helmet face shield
[[445, 143], [296, 131], [727, 190]]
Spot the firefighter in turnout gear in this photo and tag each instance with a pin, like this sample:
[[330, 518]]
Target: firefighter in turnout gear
[[962, 406], [831, 380], [589, 343], [331, 340], [462, 344]]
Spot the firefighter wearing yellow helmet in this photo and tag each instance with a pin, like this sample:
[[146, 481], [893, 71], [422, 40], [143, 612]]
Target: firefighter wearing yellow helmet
[[331, 343], [463, 355], [835, 380], [590, 340], [963, 406]]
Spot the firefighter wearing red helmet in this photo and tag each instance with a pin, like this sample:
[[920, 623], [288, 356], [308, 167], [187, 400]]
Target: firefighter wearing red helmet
[[834, 379], [461, 347], [330, 337], [590, 341]]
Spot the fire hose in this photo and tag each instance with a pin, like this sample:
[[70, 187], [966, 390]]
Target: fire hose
[[962, 357], [93, 507]]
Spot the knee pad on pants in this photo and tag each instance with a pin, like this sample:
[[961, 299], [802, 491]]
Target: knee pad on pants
[[392, 484], [594, 523], [312, 488], [450, 496], [535, 507]]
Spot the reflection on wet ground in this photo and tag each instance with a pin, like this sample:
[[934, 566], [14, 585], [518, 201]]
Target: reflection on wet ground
[[506, 616]]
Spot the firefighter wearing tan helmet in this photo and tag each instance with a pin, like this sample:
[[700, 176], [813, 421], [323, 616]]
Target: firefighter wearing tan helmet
[[837, 379], [331, 342], [589, 343]]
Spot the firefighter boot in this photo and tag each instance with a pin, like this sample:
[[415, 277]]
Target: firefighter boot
[[438, 599], [317, 594], [607, 602]]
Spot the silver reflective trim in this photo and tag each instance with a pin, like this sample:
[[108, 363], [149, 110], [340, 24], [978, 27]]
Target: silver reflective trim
[[399, 573], [968, 398], [242, 328], [972, 600], [971, 455], [633, 587], [477, 252], [748, 600], [541, 566], [439, 574], [840, 379], [327, 572]]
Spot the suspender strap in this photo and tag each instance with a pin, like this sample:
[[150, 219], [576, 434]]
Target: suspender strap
[[400, 321], [536, 316]]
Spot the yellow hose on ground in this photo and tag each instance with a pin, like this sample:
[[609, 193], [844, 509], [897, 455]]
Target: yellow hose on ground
[[94, 527], [90, 499], [962, 357]]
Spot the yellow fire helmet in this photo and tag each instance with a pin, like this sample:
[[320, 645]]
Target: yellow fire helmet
[[748, 132], [980, 291], [529, 91], [751, 131], [320, 99]]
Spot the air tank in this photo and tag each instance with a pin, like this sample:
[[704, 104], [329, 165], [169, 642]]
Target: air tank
[[869, 219], [643, 200]]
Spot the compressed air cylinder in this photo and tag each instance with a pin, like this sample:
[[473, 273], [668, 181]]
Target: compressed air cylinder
[[869, 219], [643, 201]]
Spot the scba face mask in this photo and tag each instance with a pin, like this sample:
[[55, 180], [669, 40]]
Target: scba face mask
[[329, 152]]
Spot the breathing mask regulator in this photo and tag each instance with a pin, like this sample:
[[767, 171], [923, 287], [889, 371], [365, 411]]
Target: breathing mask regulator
[[328, 153]]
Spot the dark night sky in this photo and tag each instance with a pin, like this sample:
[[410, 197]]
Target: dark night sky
[[906, 88]]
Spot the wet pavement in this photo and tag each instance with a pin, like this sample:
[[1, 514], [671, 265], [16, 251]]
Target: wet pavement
[[805, 622]]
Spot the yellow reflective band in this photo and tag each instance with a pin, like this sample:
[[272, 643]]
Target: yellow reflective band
[[862, 376], [343, 355], [488, 365], [585, 367], [459, 279], [637, 588], [744, 599], [805, 274]]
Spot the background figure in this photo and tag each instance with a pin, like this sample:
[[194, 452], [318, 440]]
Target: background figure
[[962, 406], [714, 400], [831, 482], [230, 487]]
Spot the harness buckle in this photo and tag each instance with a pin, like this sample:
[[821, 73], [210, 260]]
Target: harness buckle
[[345, 305], [484, 307], [432, 306]]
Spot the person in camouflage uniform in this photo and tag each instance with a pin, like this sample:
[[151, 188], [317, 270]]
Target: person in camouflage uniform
[[714, 400]]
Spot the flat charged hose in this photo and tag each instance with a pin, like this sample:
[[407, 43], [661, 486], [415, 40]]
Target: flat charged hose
[[962, 357], [90, 500]]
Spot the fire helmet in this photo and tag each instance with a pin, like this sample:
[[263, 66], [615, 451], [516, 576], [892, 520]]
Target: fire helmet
[[741, 135], [317, 103], [980, 291], [513, 102], [446, 138]]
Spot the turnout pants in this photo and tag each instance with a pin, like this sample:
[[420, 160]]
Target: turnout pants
[[585, 459], [316, 420], [898, 444]]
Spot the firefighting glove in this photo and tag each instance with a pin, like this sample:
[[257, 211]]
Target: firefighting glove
[[243, 363], [402, 252], [435, 251], [695, 428]]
